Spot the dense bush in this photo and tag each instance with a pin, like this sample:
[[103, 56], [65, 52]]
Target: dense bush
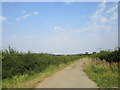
[[110, 56], [18, 63]]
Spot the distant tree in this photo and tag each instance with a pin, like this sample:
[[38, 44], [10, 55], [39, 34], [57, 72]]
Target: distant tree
[[94, 52], [86, 53]]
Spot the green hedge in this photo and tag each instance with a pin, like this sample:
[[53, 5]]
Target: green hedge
[[110, 56], [18, 63]]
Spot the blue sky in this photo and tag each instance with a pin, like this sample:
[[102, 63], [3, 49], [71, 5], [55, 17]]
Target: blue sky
[[59, 27]]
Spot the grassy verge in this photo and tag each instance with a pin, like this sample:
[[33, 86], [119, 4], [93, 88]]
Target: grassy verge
[[103, 73], [30, 81]]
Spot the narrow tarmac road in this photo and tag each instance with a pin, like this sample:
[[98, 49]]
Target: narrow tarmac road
[[72, 76]]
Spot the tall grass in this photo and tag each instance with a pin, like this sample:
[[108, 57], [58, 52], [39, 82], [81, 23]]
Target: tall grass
[[103, 68], [18, 66], [105, 74]]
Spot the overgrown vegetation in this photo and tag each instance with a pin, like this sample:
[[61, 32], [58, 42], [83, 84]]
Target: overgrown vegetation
[[30, 81], [110, 56], [103, 68], [18, 65], [21, 70]]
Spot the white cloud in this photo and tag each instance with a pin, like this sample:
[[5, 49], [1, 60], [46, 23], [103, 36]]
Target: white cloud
[[103, 17], [103, 20], [102, 5], [111, 10], [57, 28], [23, 12], [67, 3], [100, 10], [100, 20], [114, 16], [17, 19], [26, 15], [35, 13], [2, 18]]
